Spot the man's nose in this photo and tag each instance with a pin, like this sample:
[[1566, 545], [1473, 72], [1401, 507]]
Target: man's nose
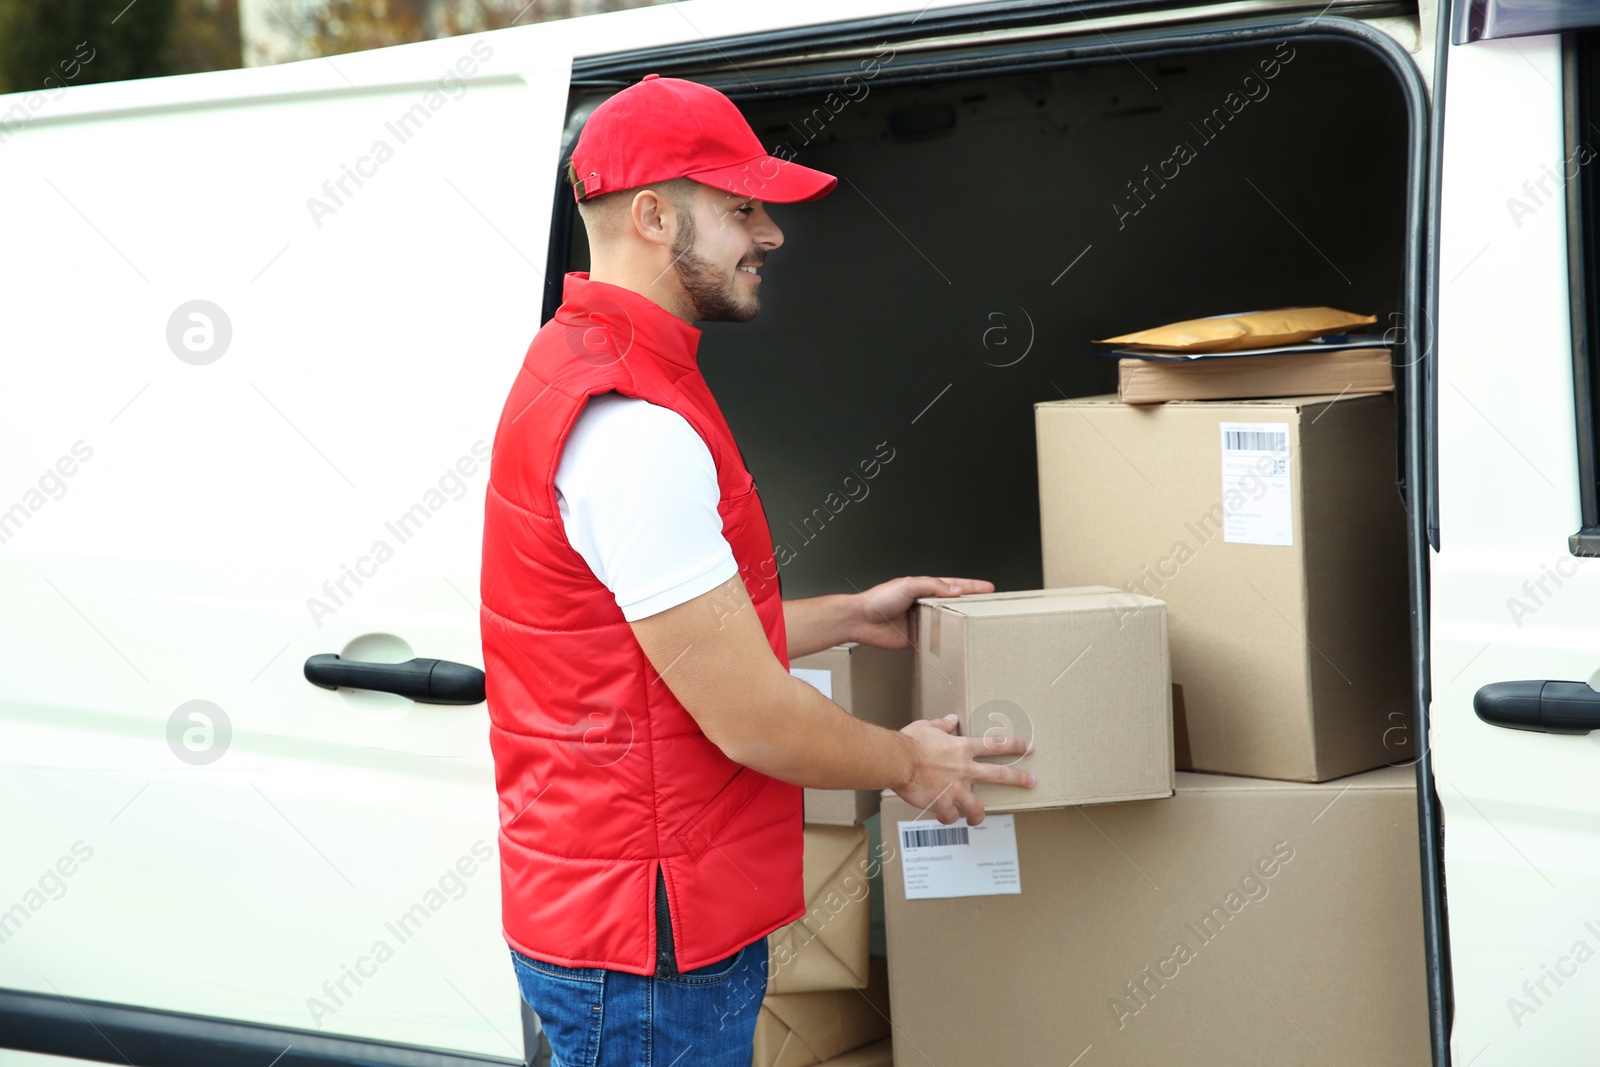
[[768, 235]]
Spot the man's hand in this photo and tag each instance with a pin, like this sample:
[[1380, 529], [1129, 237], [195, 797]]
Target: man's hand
[[881, 612], [945, 768]]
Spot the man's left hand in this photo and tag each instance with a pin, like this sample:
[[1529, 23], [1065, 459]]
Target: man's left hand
[[882, 610]]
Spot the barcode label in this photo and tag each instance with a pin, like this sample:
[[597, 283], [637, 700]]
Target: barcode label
[[1254, 441], [984, 863], [1257, 506], [944, 835]]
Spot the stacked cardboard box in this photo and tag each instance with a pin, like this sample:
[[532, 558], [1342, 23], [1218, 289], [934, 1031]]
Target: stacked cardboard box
[[826, 995], [1080, 672], [1240, 921], [827, 948], [1273, 532], [1155, 379], [1101, 718], [873, 684], [802, 1029], [1265, 919]]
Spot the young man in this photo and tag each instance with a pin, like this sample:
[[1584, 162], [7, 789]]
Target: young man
[[650, 745]]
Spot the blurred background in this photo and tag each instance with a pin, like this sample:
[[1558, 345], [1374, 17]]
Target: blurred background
[[150, 38]]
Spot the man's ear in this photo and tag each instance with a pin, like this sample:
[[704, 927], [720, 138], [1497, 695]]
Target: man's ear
[[649, 218]]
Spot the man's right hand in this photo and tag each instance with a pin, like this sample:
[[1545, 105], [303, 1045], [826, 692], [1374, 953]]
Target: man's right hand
[[945, 766]]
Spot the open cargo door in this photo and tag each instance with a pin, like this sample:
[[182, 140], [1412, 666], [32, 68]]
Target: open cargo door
[[1514, 604]]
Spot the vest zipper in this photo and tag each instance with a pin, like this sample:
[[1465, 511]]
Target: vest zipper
[[666, 957]]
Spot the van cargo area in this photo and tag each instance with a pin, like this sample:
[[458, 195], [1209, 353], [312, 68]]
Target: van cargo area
[[984, 229]]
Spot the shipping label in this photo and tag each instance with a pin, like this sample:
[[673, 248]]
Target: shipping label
[[960, 860], [817, 678], [1257, 508]]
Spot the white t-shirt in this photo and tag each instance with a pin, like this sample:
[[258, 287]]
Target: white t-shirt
[[638, 495]]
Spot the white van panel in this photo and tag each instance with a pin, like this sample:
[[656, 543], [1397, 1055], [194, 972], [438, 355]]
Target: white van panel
[[1521, 815], [223, 512]]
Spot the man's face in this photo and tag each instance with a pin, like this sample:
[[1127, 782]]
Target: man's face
[[722, 239]]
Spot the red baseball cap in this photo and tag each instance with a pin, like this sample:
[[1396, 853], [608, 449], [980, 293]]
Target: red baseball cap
[[664, 128]]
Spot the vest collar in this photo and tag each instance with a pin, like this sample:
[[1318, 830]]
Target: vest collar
[[627, 314]]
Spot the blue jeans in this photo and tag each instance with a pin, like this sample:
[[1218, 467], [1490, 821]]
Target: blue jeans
[[595, 1017]]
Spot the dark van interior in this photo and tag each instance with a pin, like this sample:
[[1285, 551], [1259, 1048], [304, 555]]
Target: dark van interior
[[985, 229]]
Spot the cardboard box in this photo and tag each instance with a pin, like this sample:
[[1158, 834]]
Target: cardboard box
[[801, 1029], [828, 947], [873, 684], [1231, 377], [878, 1054], [1242, 921], [1082, 672], [1286, 592]]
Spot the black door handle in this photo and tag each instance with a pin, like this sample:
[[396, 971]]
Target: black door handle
[[1547, 707], [427, 681]]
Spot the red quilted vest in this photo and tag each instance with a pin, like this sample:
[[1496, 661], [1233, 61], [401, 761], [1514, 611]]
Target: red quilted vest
[[603, 776]]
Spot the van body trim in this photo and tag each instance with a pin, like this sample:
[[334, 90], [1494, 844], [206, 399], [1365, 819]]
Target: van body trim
[[1577, 76], [152, 1037], [937, 29], [1421, 461]]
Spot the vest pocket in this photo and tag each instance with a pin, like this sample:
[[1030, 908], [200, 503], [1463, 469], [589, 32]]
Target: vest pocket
[[706, 825]]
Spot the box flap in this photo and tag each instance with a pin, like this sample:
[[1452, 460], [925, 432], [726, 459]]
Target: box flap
[[1110, 601], [1400, 777], [1038, 601]]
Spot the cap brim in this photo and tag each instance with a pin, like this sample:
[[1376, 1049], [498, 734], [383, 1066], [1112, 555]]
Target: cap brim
[[769, 178]]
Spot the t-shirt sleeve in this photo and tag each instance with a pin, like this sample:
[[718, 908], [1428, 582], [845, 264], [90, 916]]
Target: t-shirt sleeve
[[638, 495]]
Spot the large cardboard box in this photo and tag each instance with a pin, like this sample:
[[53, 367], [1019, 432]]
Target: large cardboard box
[[1081, 672], [828, 947], [873, 684], [1273, 532], [1243, 921], [801, 1029]]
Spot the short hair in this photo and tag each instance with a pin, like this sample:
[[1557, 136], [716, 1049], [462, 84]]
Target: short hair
[[603, 213]]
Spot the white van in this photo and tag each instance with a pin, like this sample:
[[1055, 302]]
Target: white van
[[257, 326]]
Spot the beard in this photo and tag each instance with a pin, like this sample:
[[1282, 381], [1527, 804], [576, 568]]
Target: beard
[[714, 292]]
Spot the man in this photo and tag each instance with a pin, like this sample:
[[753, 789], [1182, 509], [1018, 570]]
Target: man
[[650, 745]]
